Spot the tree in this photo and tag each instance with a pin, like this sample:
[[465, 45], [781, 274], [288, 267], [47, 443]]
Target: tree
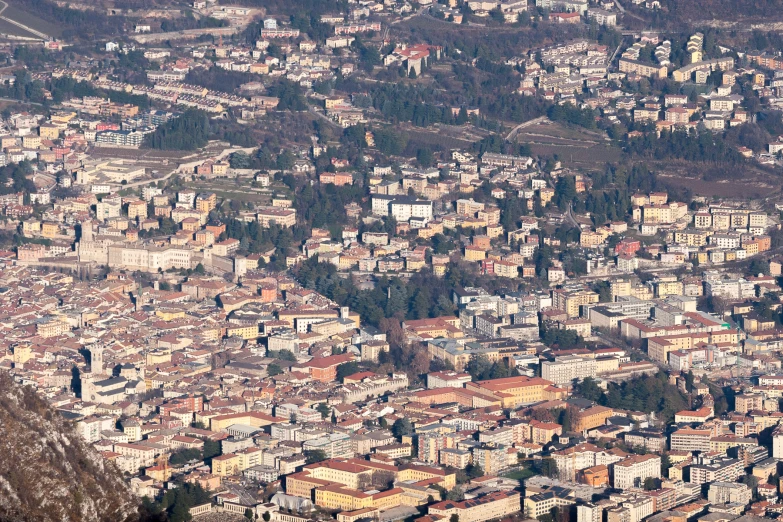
[[651, 483], [589, 389], [274, 369], [313, 456], [546, 467], [189, 131], [759, 267], [474, 471], [424, 157], [479, 367], [455, 494], [346, 369], [323, 409], [402, 427], [185, 455], [249, 514], [454, 518], [211, 449]]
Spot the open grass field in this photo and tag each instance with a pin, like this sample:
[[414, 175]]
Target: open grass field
[[750, 181], [436, 139], [228, 190], [32, 21], [520, 474], [7, 28], [574, 146]]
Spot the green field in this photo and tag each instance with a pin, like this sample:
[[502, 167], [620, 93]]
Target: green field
[[521, 474]]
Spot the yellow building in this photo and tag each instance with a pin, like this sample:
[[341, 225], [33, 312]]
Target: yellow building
[[657, 214], [137, 209], [50, 230], [30, 228], [546, 195], [156, 357], [52, 327], [226, 465], [515, 391], [49, 132], [170, 315], [474, 253], [31, 141], [570, 301], [220, 168], [590, 239], [206, 201], [691, 237], [245, 332], [665, 288], [336, 496], [22, 354]]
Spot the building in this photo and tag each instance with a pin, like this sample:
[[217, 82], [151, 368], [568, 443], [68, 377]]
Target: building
[[283, 217], [602, 17], [631, 472], [729, 492], [643, 69], [571, 301], [516, 391], [567, 369], [687, 439], [494, 505], [119, 138], [707, 470], [542, 503]]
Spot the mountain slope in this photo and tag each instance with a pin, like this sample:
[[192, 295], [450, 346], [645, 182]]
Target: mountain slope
[[47, 473]]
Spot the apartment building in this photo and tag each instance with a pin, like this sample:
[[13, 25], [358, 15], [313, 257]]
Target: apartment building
[[564, 370], [643, 69], [687, 439], [711, 470], [729, 492], [571, 301], [632, 471]]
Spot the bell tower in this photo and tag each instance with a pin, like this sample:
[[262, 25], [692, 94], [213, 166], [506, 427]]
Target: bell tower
[[96, 359]]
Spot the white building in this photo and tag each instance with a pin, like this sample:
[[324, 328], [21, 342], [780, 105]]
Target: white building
[[563, 370], [632, 471], [729, 492]]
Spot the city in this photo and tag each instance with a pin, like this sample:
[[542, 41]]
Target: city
[[394, 261]]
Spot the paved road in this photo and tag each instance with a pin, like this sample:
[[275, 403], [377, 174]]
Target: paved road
[[417, 13], [511, 135], [570, 216], [623, 11], [13, 100]]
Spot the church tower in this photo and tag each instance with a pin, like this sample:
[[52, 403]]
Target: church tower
[[96, 359]]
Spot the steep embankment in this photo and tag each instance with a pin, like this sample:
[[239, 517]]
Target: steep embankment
[[47, 473]]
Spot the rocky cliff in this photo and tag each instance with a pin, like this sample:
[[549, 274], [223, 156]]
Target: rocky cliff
[[47, 473]]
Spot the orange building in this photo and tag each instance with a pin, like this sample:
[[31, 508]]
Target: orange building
[[324, 369], [597, 476]]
